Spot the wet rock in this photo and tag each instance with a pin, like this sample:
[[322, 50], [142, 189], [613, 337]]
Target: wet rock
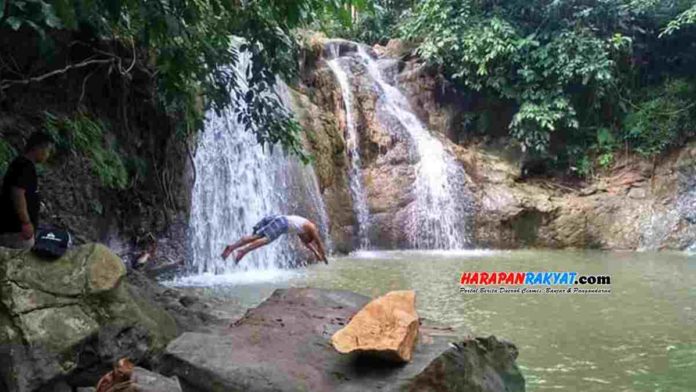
[[60, 386], [69, 319], [388, 162], [387, 327], [637, 193], [147, 381], [261, 353], [336, 47], [324, 138], [621, 209], [480, 364], [396, 48], [190, 311]]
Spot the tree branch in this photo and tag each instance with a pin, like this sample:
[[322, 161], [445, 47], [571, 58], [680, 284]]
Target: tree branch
[[9, 83], [84, 84]]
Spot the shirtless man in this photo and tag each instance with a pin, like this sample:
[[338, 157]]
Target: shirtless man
[[272, 227]]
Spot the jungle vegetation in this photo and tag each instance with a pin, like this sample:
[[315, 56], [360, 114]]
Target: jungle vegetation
[[587, 78]]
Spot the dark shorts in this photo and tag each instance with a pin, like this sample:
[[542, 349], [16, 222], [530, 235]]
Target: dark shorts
[[271, 227]]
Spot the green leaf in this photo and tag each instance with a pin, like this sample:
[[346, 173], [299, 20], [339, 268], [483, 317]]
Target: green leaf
[[14, 22], [114, 8], [50, 17]]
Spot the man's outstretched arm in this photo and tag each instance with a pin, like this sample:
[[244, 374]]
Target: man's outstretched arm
[[311, 247], [321, 251]]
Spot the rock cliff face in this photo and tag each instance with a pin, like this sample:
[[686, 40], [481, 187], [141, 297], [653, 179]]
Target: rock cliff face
[[389, 158], [633, 205], [629, 207], [68, 320], [330, 165]]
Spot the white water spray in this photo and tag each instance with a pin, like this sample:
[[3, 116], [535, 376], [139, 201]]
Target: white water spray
[[439, 213], [239, 182], [357, 190]]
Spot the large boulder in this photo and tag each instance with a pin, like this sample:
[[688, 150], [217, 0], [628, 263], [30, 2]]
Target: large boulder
[[473, 365], [387, 327], [68, 320], [284, 345]]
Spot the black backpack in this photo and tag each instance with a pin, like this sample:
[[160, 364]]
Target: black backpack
[[51, 243]]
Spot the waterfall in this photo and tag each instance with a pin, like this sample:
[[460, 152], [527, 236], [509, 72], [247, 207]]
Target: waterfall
[[686, 203], [439, 214], [237, 183], [352, 140], [661, 221]]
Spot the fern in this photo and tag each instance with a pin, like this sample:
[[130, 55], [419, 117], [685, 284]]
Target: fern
[[7, 153], [85, 136]]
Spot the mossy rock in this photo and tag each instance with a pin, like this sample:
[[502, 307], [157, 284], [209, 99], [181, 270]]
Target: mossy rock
[[66, 276], [54, 312]]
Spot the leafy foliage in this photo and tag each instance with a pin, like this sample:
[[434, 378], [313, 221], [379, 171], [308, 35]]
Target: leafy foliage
[[684, 19], [188, 44], [571, 67], [543, 71], [369, 22], [85, 136], [665, 117], [7, 153], [580, 73]]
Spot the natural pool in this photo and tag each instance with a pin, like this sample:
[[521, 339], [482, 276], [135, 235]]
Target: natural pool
[[641, 337]]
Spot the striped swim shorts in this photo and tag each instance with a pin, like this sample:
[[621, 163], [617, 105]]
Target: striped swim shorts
[[271, 227]]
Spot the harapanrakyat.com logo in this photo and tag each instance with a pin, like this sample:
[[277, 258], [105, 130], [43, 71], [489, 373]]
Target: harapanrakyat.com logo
[[530, 282]]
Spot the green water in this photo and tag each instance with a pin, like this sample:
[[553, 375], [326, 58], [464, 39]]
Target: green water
[[641, 337]]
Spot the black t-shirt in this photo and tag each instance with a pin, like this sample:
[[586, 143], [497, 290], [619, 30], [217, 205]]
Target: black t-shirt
[[20, 174]]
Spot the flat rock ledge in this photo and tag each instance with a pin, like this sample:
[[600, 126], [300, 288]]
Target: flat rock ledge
[[284, 344]]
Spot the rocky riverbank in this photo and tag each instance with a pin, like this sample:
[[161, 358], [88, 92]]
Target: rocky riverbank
[[284, 345], [63, 324]]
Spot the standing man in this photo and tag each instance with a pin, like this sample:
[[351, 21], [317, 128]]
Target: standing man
[[272, 227], [19, 199]]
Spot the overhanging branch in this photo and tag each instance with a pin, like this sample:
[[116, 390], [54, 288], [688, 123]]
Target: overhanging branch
[[5, 84]]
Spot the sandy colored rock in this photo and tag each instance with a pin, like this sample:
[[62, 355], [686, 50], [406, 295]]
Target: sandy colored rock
[[386, 327], [105, 270]]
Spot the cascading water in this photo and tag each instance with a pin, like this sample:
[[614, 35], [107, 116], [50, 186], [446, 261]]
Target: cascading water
[[686, 203], [355, 176], [662, 221], [439, 214], [238, 182]]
